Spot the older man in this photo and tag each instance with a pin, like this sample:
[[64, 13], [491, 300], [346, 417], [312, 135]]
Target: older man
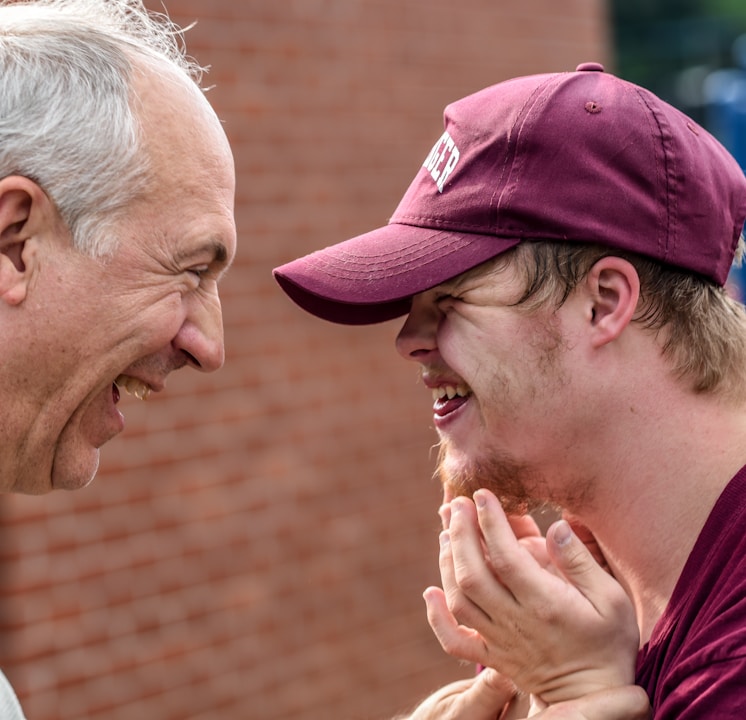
[[116, 224], [561, 258]]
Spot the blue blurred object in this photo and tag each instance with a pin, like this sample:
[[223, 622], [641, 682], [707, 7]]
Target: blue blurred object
[[724, 94]]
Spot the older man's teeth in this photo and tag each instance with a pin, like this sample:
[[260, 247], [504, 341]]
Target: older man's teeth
[[450, 392], [133, 386]]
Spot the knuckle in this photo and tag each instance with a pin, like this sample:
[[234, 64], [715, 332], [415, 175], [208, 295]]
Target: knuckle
[[576, 560], [468, 580], [457, 604], [504, 567], [450, 647]]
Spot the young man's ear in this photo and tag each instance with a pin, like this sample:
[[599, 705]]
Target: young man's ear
[[25, 213], [614, 289]]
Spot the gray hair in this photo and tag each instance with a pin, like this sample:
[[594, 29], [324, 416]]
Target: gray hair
[[66, 104]]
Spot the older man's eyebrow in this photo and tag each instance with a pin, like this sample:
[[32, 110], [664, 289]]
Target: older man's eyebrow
[[214, 247]]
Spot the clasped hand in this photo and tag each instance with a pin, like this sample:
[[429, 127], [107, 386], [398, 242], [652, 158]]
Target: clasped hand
[[540, 613]]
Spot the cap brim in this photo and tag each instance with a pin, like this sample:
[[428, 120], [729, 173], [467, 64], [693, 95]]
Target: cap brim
[[372, 277]]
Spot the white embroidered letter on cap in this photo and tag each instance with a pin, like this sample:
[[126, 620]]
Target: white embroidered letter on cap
[[443, 150], [433, 155]]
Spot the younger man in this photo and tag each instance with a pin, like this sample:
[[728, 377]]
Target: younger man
[[561, 259]]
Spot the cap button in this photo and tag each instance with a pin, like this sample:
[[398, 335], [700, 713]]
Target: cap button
[[589, 67]]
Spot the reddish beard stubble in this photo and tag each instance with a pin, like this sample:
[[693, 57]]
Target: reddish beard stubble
[[509, 481]]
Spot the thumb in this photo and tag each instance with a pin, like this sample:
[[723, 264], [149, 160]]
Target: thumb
[[482, 697], [487, 696], [575, 561]]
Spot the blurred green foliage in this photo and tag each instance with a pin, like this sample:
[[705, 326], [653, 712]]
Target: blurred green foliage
[[671, 9], [670, 46]]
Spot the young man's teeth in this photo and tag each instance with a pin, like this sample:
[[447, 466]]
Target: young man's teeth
[[449, 391], [133, 387]]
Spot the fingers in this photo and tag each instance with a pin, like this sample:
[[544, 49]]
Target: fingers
[[484, 565], [531, 616], [575, 561], [578, 565], [480, 698], [524, 526], [469, 579], [510, 559], [587, 538], [445, 515], [457, 640], [487, 696], [516, 567]]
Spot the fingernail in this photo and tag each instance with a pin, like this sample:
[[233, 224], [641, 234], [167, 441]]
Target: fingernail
[[479, 500], [445, 540], [562, 533]]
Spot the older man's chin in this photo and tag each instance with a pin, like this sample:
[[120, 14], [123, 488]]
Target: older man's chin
[[77, 455], [74, 474], [65, 473]]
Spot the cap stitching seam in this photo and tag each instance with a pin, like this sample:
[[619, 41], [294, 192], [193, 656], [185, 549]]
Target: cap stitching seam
[[442, 223], [347, 258], [668, 242], [538, 97]]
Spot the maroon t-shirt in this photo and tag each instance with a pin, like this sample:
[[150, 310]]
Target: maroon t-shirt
[[694, 666]]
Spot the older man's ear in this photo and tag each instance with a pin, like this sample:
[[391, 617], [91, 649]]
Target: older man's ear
[[26, 214]]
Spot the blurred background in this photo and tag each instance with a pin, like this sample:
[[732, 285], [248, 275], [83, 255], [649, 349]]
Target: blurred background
[[257, 541]]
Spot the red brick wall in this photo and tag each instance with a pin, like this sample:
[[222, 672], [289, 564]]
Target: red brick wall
[[257, 541]]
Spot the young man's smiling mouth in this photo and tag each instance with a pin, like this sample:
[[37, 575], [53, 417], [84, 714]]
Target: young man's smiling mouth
[[448, 398]]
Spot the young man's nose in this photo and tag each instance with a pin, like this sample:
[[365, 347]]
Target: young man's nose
[[417, 338]]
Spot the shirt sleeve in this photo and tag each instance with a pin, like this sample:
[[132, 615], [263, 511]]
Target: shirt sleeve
[[10, 708], [714, 692]]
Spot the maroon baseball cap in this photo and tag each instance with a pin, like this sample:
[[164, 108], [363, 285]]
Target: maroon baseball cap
[[579, 156]]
